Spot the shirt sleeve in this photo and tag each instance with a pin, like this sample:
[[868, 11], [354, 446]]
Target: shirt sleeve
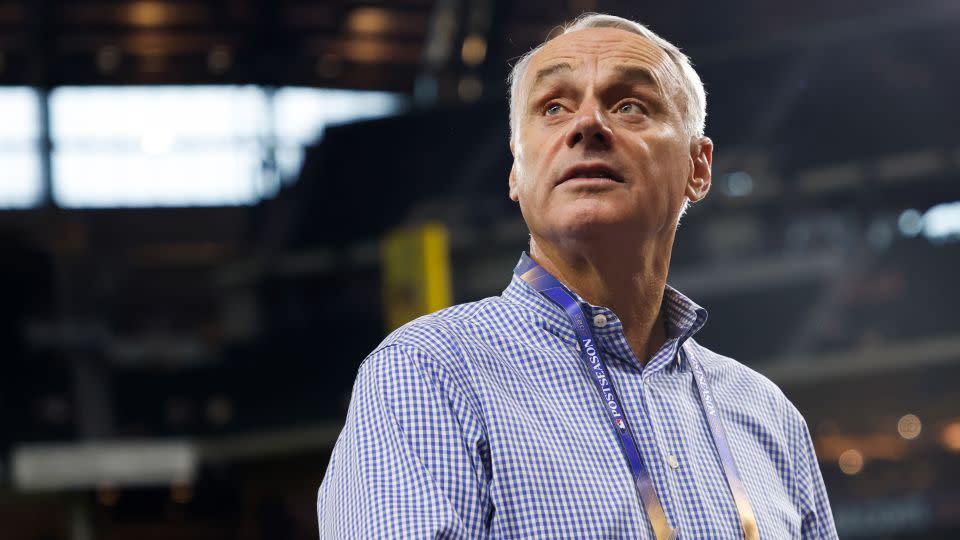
[[815, 505], [409, 461]]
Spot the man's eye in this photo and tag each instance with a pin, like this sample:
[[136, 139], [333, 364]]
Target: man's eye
[[552, 109], [630, 108]]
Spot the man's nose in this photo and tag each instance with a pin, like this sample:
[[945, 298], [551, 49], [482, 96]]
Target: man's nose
[[589, 128]]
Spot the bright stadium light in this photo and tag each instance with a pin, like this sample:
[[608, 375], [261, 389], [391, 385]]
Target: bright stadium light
[[157, 146], [190, 146], [20, 183], [942, 222]]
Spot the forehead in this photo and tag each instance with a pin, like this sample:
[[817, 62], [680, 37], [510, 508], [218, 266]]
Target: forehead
[[598, 48]]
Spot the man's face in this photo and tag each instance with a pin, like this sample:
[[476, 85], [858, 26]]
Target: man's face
[[600, 140]]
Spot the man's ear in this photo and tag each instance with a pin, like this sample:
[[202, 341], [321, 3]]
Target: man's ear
[[514, 195], [701, 154]]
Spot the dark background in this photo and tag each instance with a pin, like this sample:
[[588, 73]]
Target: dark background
[[817, 253]]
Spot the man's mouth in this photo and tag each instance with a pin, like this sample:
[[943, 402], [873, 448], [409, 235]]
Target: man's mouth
[[590, 172]]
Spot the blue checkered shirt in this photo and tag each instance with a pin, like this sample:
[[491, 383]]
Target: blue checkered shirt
[[482, 421]]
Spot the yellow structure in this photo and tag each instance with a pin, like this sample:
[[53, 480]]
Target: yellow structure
[[416, 272]]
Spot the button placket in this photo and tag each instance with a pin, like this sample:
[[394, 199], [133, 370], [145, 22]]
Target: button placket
[[660, 471]]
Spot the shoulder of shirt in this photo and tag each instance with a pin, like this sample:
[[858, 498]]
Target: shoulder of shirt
[[440, 335], [733, 372]]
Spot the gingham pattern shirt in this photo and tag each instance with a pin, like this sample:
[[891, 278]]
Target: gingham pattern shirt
[[482, 421]]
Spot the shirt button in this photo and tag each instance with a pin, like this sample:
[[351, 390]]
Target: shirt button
[[672, 461], [600, 320]]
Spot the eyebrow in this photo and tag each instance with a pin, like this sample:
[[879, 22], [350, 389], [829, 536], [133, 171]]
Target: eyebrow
[[639, 74], [550, 71]]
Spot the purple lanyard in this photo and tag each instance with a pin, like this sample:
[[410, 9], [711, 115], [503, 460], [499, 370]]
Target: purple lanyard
[[547, 285]]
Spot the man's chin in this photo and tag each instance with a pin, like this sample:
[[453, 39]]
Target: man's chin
[[586, 214], [591, 225], [602, 222]]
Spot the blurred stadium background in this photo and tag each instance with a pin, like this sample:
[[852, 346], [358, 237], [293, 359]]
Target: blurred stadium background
[[199, 212]]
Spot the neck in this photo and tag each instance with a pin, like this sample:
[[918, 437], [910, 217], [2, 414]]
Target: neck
[[629, 283]]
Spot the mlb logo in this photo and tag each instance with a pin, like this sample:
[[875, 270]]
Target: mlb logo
[[620, 424]]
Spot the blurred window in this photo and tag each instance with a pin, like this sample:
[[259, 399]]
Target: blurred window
[[20, 183], [158, 146], [302, 113], [167, 145]]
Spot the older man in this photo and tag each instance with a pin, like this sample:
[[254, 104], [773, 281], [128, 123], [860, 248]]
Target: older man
[[577, 404]]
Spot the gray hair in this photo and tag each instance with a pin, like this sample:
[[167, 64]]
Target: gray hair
[[694, 107]]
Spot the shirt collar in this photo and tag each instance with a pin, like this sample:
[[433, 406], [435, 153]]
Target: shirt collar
[[682, 316]]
